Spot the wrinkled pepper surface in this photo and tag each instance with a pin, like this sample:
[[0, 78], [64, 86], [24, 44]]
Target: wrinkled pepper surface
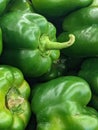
[[30, 42], [83, 23], [89, 71], [15, 108], [58, 8], [60, 104]]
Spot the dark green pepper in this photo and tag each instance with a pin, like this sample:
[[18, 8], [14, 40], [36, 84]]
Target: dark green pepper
[[15, 110], [58, 8], [83, 24], [89, 71], [60, 104], [30, 42]]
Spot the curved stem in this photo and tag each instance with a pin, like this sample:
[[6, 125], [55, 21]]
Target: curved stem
[[50, 45]]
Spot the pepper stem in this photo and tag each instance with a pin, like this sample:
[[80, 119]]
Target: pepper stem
[[46, 44]]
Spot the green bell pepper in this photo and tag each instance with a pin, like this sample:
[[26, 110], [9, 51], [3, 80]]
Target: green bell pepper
[[60, 104], [32, 41], [55, 8], [15, 110], [83, 24], [89, 71]]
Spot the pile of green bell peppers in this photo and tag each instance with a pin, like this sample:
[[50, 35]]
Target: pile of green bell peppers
[[48, 65]]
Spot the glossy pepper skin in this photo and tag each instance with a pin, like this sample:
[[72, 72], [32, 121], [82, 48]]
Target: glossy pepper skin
[[83, 24], [89, 71], [60, 104], [15, 109], [3, 5], [58, 8], [32, 41]]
